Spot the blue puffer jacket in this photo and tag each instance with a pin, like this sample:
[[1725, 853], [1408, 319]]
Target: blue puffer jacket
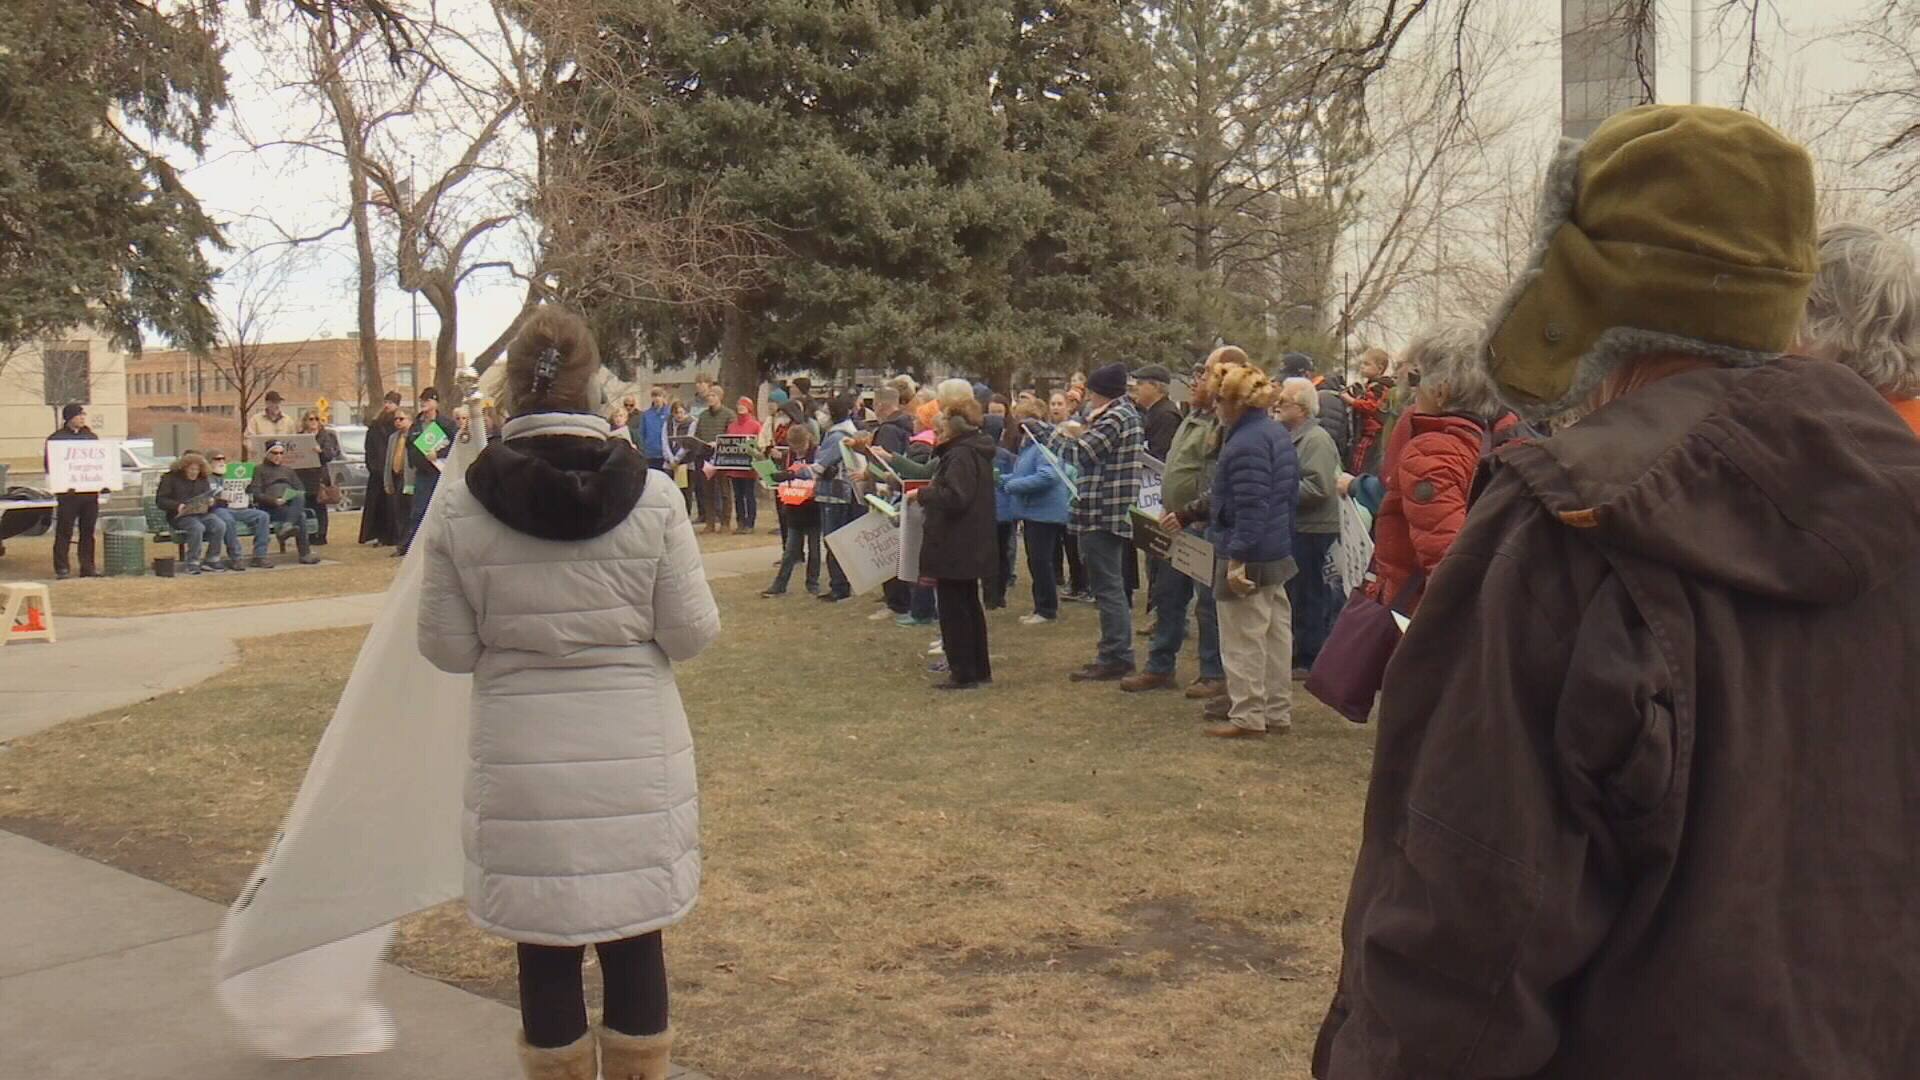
[[1039, 493], [1255, 484], [1003, 505]]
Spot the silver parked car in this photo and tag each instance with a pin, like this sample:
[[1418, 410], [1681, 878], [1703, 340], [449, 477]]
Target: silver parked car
[[350, 472]]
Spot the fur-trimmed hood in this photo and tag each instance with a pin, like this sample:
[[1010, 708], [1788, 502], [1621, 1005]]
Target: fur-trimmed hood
[[558, 476], [1681, 229]]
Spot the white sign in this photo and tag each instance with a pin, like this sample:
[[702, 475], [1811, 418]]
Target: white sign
[[913, 529], [83, 464], [1150, 481], [868, 550], [1193, 557]]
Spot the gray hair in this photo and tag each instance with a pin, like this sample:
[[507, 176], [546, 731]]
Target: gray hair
[[1862, 312], [1303, 393], [1447, 356]]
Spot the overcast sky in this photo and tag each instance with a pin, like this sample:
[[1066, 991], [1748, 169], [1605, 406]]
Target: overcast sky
[[305, 191]]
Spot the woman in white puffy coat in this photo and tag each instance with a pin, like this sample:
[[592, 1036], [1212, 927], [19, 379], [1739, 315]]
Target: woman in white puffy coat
[[566, 578]]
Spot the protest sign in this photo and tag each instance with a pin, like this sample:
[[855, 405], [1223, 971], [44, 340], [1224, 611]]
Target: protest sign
[[83, 465], [1187, 553], [913, 527], [733, 451], [868, 550], [1151, 470], [233, 484], [302, 451]]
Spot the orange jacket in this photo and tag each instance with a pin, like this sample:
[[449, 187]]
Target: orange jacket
[[1428, 474], [1909, 410]]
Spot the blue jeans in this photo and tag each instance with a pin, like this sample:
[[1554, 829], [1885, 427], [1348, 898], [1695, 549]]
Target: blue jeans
[[803, 537], [1043, 547], [1316, 601], [257, 520], [291, 512], [746, 502], [424, 481], [833, 516], [1171, 592], [194, 528], [1103, 553]]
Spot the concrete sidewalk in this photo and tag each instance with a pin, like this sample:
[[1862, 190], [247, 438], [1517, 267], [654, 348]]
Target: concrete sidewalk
[[106, 974], [103, 974]]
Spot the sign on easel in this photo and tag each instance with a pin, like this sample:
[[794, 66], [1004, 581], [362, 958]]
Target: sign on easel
[[83, 465], [868, 550]]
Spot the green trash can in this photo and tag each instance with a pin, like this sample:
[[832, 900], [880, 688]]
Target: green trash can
[[126, 553]]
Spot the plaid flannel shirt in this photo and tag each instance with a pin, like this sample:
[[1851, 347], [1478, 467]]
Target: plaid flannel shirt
[[1107, 456]]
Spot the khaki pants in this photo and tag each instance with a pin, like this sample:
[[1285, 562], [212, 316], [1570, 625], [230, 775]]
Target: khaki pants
[[1256, 648]]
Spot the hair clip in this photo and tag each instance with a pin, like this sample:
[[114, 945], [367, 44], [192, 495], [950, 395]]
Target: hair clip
[[545, 370]]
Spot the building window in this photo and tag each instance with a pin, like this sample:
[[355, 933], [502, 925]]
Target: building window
[[403, 375], [66, 376]]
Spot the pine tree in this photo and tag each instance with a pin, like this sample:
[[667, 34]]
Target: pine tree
[[863, 140], [95, 228], [1099, 280]]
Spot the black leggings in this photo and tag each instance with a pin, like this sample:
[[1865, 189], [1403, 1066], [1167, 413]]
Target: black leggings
[[553, 1002]]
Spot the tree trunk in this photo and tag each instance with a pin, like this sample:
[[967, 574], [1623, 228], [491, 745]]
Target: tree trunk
[[353, 142], [373, 384], [739, 375], [446, 355]]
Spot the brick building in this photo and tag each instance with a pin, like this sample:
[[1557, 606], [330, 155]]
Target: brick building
[[303, 372]]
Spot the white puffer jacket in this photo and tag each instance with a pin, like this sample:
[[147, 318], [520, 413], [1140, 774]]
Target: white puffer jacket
[[567, 579]]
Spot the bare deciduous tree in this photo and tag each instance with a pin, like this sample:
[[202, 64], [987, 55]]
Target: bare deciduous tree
[[255, 308]]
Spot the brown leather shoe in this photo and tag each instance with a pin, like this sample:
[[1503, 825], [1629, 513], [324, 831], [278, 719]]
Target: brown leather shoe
[[1216, 708], [1146, 680], [1231, 731], [1102, 673], [1201, 689]]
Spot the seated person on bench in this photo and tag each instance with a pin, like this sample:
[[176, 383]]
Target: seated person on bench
[[234, 517], [277, 489], [186, 496]]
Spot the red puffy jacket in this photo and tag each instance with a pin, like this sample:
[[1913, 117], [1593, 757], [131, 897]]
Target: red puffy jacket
[[1428, 472]]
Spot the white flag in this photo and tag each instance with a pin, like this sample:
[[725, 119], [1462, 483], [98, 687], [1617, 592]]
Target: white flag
[[373, 836]]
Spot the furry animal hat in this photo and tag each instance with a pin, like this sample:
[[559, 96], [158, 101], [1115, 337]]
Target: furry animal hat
[[551, 363], [1674, 228]]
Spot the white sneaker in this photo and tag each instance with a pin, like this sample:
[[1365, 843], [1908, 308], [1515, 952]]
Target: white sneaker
[[936, 649], [883, 613], [1034, 620]]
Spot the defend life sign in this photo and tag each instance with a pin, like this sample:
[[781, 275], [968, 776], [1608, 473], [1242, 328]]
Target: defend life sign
[[83, 465]]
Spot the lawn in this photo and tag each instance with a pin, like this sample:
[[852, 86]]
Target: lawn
[[1042, 880]]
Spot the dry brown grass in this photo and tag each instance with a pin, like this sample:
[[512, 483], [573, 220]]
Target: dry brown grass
[[349, 569], [1040, 880]]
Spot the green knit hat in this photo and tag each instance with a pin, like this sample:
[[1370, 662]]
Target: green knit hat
[[1674, 228]]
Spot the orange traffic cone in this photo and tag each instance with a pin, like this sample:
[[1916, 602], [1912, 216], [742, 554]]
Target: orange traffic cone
[[33, 621]]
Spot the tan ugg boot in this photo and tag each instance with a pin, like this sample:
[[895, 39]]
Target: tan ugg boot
[[572, 1062], [634, 1057]]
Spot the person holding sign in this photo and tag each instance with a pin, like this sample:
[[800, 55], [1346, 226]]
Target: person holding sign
[[428, 444], [958, 549], [73, 506], [746, 489], [1255, 486]]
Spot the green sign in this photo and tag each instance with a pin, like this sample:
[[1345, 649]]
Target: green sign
[[430, 440]]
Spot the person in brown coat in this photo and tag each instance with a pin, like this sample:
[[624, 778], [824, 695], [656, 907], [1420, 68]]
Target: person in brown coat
[[1644, 796], [960, 546]]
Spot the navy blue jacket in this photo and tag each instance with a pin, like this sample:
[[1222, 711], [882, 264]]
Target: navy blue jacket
[[1255, 484]]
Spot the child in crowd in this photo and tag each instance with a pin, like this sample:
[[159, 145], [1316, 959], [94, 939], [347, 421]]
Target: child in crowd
[[795, 493], [1368, 408]]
